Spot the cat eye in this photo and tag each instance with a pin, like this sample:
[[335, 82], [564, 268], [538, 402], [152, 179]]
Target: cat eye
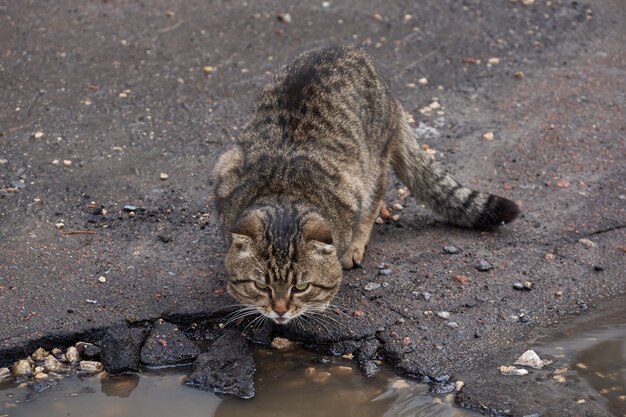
[[300, 287], [261, 285]]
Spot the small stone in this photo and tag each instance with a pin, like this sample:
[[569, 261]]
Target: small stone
[[5, 374], [55, 162], [3, 161], [325, 4], [562, 183], [163, 176], [518, 286], [52, 364], [384, 272], [528, 2], [559, 378], [39, 376], [587, 242], [38, 135], [493, 61], [528, 285], [284, 17], [453, 324], [531, 359], [461, 279], [208, 69], [458, 385], [426, 295], [422, 81], [519, 75], [91, 367], [22, 368], [428, 313], [321, 377], [67, 162], [102, 279], [131, 214], [443, 315], [598, 268], [280, 343], [38, 369], [371, 286], [59, 225], [130, 208], [512, 371], [399, 384], [395, 217], [56, 352], [40, 354], [524, 318], [88, 350], [72, 355], [483, 266], [558, 293], [548, 256], [341, 370], [347, 356], [488, 136], [379, 220], [397, 206], [451, 250]]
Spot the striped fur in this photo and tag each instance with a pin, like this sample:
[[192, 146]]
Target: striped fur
[[299, 193]]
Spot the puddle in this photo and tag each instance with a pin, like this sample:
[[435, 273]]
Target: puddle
[[599, 358], [282, 389]]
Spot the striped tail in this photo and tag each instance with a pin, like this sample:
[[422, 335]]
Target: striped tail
[[431, 184]]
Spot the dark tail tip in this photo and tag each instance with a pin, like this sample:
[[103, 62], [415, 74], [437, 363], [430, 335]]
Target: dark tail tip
[[497, 212]]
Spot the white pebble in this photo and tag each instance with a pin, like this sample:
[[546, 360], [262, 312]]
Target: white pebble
[[422, 81], [38, 135], [397, 206], [379, 220], [493, 61], [488, 136], [587, 242], [67, 162], [59, 225], [102, 279], [163, 176]]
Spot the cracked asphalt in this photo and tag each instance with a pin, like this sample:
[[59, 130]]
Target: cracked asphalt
[[101, 97]]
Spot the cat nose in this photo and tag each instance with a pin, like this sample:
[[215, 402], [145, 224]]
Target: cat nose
[[280, 308]]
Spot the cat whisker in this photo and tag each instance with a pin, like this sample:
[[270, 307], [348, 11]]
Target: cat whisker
[[256, 319]]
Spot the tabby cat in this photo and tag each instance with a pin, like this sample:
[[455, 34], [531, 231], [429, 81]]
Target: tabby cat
[[299, 193]]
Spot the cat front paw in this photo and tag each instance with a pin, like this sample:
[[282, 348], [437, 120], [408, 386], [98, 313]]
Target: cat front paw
[[352, 258]]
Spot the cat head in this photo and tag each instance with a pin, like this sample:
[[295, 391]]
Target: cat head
[[283, 264]]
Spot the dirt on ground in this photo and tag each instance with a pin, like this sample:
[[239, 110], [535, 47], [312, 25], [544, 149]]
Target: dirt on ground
[[114, 112]]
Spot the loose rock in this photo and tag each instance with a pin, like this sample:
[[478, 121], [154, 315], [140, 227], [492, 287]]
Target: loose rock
[[121, 347], [518, 286], [451, 250], [528, 285], [531, 359], [40, 354], [483, 266], [52, 364], [443, 315], [587, 242], [512, 371], [41, 375], [5, 374], [163, 176], [166, 345], [453, 324], [488, 136], [91, 367], [384, 272], [88, 351], [280, 343], [226, 368], [41, 386], [72, 355], [371, 286]]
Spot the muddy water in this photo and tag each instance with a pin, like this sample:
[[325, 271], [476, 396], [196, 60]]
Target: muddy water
[[598, 357], [283, 388]]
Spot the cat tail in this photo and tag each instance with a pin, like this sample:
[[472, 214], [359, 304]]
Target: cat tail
[[431, 184]]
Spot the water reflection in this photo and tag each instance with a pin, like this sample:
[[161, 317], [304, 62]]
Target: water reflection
[[118, 385]]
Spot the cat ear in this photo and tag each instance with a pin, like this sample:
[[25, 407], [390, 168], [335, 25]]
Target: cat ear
[[323, 248], [248, 228], [316, 229]]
